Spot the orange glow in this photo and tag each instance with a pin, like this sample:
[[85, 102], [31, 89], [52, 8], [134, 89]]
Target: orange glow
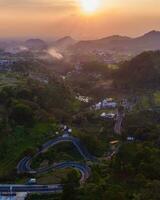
[[88, 19], [90, 6]]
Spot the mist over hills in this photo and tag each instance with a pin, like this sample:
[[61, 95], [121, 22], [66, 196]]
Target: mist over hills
[[118, 43]]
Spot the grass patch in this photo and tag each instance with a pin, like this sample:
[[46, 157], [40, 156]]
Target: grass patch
[[53, 177], [59, 153]]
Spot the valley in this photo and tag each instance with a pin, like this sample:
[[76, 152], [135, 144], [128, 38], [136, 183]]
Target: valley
[[112, 109]]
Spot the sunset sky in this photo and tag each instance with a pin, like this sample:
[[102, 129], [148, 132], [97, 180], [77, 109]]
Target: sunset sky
[[57, 18]]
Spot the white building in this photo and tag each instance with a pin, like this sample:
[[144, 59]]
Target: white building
[[108, 115], [109, 103], [106, 103]]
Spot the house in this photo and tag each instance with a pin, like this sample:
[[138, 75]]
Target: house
[[130, 138], [109, 103], [107, 115], [97, 106], [106, 103]]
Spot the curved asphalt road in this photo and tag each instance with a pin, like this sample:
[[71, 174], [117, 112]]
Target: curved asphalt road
[[75, 141], [24, 166]]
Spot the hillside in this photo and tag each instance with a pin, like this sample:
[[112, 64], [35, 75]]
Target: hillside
[[143, 71], [64, 42]]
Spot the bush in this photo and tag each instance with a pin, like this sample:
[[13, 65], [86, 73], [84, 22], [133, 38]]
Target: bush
[[22, 114]]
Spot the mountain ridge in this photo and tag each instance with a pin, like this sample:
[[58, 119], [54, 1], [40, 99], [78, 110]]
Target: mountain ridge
[[148, 41]]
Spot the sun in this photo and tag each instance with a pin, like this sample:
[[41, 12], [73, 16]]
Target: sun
[[90, 6]]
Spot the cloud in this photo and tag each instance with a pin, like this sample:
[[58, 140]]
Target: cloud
[[38, 3]]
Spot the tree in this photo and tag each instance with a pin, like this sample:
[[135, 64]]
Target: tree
[[22, 114], [151, 191], [71, 184]]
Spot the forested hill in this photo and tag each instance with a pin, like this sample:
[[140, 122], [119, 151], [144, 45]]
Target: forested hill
[[143, 71], [44, 99], [30, 111]]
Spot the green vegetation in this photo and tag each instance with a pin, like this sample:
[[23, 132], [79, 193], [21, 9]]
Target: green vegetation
[[54, 177], [31, 110], [21, 141], [44, 196], [92, 80], [59, 153], [30, 114], [157, 98]]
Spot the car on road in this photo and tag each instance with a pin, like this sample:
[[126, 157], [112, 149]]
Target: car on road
[[32, 181]]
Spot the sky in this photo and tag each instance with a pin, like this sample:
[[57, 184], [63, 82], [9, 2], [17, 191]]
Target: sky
[[58, 18]]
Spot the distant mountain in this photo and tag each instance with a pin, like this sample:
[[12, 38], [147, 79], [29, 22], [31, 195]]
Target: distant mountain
[[35, 44], [64, 42], [149, 41]]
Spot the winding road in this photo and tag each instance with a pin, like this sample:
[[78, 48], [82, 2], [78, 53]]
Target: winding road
[[24, 166]]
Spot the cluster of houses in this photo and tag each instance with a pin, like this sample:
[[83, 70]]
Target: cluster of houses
[[110, 103], [107, 103], [83, 99]]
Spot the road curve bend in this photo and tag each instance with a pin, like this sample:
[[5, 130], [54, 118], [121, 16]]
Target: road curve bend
[[24, 166]]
